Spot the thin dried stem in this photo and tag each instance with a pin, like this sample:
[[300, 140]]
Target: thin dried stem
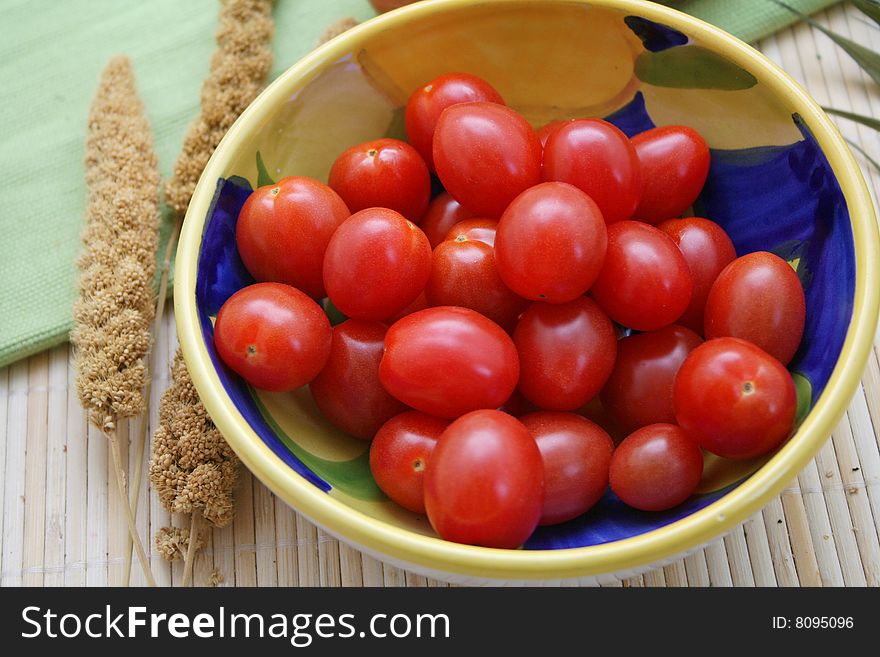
[[191, 547], [120, 486]]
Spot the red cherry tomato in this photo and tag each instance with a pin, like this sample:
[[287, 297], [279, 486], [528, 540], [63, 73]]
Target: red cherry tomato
[[674, 160], [427, 103], [656, 468], [463, 273], [732, 397], [347, 391], [639, 390], [566, 353], [597, 158], [447, 361], [283, 231], [550, 243], [485, 481], [399, 455], [577, 456], [385, 173], [377, 263], [707, 250], [486, 154], [645, 282], [442, 214], [758, 298], [274, 336], [480, 230]]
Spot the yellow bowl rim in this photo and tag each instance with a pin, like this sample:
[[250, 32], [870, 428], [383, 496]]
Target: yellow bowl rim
[[426, 552]]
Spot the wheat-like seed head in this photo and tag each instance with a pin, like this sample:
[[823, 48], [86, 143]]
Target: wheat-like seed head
[[112, 315], [192, 465], [238, 69]]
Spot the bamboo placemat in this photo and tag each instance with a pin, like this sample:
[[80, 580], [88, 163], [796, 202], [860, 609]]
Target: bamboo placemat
[[62, 525]]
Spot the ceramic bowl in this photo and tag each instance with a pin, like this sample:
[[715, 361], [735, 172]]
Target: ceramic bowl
[[782, 179]]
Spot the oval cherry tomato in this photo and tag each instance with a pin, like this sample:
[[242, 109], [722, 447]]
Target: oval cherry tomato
[[447, 361], [480, 230], [674, 160], [735, 399], [347, 391], [707, 250], [639, 390], [645, 282], [283, 231], [758, 298], [598, 159], [577, 456], [273, 335], [656, 468], [427, 103], [566, 353], [399, 455], [442, 214], [377, 263], [486, 154], [385, 173], [550, 243], [463, 273], [485, 481]]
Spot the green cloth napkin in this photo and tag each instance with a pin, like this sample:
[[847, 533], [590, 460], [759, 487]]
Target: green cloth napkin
[[750, 20], [51, 54]]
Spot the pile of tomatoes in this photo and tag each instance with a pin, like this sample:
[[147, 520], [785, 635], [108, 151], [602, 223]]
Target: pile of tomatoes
[[500, 333]]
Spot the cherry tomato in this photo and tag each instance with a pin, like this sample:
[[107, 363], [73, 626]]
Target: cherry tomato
[[545, 131], [463, 273], [485, 481], [442, 214], [377, 263], [656, 468], [399, 455], [550, 243], [674, 160], [645, 282], [566, 353], [639, 390], [447, 361], [386, 173], [758, 298], [274, 336], [480, 230], [577, 456], [486, 154], [347, 391], [734, 398], [283, 231], [428, 102], [597, 158], [707, 250]]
